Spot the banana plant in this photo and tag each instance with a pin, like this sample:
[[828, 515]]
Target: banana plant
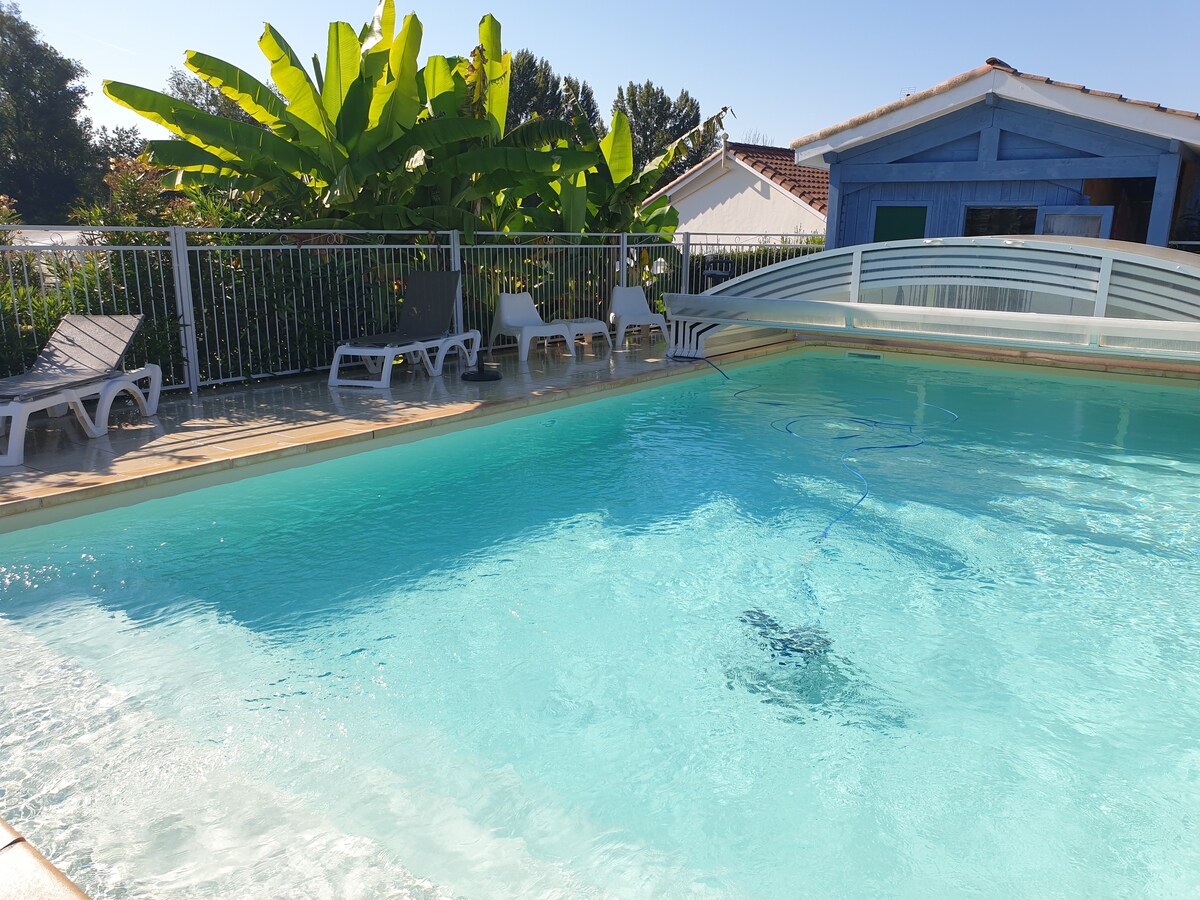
[[610, 197], [369, 138], [616, 194]]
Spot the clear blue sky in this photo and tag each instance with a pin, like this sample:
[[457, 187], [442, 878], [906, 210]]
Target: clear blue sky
[[786, 69]]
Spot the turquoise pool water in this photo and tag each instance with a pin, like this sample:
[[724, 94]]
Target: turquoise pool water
[[602, 652]]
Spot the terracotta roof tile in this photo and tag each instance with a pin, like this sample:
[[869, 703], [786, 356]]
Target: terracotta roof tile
[[779, 165]]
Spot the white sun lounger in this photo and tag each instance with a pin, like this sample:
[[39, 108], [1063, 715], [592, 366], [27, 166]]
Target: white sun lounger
[[425, 334], [81, 361]]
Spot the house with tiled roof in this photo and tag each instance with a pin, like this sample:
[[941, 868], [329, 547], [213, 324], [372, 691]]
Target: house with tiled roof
[[998, 151], [750, 189]]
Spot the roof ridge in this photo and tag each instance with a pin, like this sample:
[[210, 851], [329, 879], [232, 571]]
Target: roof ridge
[[991, 64]]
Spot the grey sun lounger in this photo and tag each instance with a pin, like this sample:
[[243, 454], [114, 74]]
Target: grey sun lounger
[[81, 361], [426, 327]]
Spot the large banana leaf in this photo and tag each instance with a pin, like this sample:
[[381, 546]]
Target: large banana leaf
[[395, 103], [617, 147], [659, 217], [405, 101], [289, 75], [517, 160], [572, 199], [497, 65], [433, 134], [378, 35], [343, 61], [539, 133], [352, 118], [186, 157], [445, 89], [230, 141], [254, 98], [180, 180]]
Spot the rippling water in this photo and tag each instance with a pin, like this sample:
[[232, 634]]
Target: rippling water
[[606, 652]]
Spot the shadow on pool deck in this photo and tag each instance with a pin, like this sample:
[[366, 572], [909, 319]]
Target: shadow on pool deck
[[268, 423]]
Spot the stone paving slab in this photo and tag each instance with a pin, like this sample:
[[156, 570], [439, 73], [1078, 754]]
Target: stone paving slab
[[290, 421]]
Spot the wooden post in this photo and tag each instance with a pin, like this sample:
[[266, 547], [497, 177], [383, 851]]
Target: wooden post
[[833, 212], [1166, 183]]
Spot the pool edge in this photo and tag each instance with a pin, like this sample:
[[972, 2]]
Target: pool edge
[[26, 874], [18, 514]]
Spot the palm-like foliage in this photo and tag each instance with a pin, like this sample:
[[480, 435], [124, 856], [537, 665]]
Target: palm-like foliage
[[367, 139], [371, 139]]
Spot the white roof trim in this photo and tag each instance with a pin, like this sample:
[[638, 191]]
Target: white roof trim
[[1069, 100], [690, 175]]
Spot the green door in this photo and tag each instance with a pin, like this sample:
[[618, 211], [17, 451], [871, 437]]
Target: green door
[[899, 223]]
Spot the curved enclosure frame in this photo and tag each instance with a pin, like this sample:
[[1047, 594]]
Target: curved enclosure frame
[[1062, 294]]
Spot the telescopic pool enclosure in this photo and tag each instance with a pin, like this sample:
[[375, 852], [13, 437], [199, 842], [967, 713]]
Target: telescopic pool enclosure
[[1070, 295]]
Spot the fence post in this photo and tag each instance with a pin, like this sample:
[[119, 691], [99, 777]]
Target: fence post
[[185, 307], [456, 266], [624, 251], [685, 253]]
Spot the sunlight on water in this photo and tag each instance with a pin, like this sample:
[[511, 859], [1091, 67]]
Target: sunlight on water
[[648, 646]]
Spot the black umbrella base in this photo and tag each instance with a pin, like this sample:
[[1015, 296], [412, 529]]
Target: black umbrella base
[[481, 373]]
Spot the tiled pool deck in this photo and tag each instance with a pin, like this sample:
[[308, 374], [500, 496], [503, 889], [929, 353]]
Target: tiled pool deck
[[214, 436]]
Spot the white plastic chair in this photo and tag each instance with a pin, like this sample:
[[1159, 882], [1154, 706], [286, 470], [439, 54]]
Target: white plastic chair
[[629, 309], [517, 316]]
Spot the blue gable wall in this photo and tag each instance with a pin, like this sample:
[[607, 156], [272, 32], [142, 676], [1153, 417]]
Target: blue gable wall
[[995, 152]]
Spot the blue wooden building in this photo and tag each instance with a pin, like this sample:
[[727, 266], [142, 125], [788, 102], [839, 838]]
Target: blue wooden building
[[997, 151]]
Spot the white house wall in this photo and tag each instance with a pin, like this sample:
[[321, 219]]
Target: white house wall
[[736, 201]]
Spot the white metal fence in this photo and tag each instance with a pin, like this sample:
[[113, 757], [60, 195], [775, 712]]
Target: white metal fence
[[225, 305]]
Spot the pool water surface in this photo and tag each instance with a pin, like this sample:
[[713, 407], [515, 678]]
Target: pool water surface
[[645, 646]]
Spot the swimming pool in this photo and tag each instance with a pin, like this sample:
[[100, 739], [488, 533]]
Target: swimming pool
[[603, 651]]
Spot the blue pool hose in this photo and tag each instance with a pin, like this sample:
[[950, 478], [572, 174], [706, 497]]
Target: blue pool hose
[[785, 425]]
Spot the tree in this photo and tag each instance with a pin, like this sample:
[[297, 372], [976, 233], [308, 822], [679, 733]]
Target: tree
[[580, 92], [657, 120], [47, 160], [537, 90], [760, 138], [120, 143], [611, 196]]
